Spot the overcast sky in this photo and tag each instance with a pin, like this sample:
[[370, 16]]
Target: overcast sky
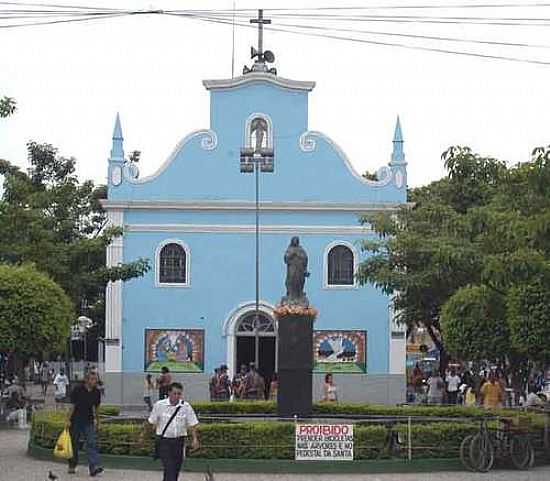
[[70, 80]]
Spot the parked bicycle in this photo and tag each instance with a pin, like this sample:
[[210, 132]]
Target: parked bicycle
[[392, 443], [478, 452]]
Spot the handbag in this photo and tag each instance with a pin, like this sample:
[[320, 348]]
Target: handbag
[[156, 447]]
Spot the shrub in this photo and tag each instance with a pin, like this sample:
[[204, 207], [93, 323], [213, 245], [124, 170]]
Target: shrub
[[353, 409], [263, 440], [107, 410], [35, 313]]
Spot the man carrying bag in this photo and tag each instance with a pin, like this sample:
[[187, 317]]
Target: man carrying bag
[[83, 421], [172, 418]]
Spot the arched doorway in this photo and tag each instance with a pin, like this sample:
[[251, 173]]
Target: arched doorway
[[246, 342]]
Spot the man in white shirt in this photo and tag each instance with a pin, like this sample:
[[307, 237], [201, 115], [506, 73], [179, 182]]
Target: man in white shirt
[[60, 382], [453, 383], [172, 442]]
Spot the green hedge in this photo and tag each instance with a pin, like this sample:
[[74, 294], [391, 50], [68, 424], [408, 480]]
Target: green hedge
[[275, 439], [106, 410], [258, 440], [353, 409]]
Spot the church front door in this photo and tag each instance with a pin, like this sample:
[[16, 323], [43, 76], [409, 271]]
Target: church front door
[[257, 336]]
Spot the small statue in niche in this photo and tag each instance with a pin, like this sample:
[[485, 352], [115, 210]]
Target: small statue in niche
[[296, 273], [258, 131]]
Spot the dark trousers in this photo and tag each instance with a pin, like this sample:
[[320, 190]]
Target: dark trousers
[[451, 397], [171, 456], [80, 429]]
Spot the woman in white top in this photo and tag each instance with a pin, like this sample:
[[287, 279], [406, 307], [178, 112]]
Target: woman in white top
[[329, 389]]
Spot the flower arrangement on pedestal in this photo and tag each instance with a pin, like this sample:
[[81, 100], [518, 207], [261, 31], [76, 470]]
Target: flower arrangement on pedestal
[[295, 310]]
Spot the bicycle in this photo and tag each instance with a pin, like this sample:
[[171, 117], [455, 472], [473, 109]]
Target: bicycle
[[392, 443], [478, 452]]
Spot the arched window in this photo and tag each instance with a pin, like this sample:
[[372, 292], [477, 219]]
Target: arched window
[[247, 325], [340, 266], [258, 132], [173, 264]]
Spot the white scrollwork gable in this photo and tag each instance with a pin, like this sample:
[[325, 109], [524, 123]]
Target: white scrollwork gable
[[208, 141], [308, 143]]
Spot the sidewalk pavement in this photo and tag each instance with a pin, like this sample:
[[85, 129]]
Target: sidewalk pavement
[[15, 465]]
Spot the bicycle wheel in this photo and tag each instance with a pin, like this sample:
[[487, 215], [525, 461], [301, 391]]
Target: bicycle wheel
[[521, 452], [465, 453], [481, 453]]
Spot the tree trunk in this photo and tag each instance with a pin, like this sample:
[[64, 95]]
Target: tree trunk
[[443, 356]]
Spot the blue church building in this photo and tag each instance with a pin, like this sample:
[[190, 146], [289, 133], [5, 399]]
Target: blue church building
[[195, 220]]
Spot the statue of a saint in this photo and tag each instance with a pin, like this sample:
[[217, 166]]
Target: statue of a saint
[[258, 129], [296, 273]]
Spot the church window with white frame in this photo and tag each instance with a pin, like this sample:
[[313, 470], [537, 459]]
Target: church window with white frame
[[340, 266], [172, 264]]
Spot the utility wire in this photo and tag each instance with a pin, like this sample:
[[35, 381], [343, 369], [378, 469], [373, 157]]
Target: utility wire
[[415, 36], [70, 20], [430, 7], [53, 5], [537, 22], [374, 42], [408, 17], [384, 7], [420, 37], [292, 28], [504, 21]]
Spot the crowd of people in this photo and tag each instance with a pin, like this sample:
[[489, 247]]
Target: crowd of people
[[247, 384], [18, 399], [489, 388]]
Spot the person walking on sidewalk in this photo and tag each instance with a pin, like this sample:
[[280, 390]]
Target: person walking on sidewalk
[[148, 390], [163, 382], [83, 420], [44, 378], [172, 418], [61, 381]]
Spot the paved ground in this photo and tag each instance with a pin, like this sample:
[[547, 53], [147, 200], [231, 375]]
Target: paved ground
[[15, 465]]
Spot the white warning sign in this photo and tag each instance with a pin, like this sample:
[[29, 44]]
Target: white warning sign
[[324, 442]]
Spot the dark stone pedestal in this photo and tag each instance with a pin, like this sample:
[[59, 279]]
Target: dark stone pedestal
[[295, 358]]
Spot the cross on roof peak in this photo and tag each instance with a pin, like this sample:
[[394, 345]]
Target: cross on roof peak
[[261, 56]]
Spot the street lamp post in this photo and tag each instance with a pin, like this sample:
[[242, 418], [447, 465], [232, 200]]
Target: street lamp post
[[257, 160]]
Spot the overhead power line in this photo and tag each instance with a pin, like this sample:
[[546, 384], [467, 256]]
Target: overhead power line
[[49, 14], [385, 7], [422, 6], [69, 20], [415, 36], [381, 43], [53, 5], [496, 21]]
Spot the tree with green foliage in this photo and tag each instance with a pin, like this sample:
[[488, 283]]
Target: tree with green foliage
[[458, 259], [475, 325], [7, 106], [52, 220], [35, 313], [426, 251], [529, 316]]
